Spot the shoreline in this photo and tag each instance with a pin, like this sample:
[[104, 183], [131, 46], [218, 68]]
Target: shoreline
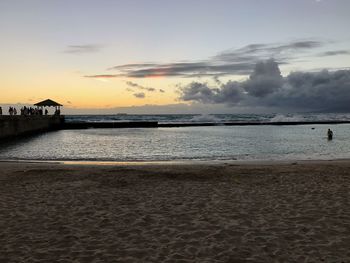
[[178, 162]]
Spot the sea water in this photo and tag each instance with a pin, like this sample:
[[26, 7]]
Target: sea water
[[215, 118], [299, 142]]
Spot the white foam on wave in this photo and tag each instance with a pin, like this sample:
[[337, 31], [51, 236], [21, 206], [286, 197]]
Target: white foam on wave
[[287, 118], [205, 118]]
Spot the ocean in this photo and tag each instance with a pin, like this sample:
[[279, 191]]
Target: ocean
[[297, 142], [215, 118]]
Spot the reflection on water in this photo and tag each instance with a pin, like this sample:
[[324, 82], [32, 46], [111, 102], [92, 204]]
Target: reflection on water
[[206, 143]]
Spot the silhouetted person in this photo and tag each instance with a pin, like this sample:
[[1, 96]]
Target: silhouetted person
[[46, 111], [330, 134], [0, 111]]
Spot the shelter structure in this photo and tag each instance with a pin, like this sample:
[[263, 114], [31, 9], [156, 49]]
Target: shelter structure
[[50, 103]]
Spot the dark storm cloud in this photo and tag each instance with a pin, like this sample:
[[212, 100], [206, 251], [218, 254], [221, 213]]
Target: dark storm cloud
[[230, 93], [140, 95], [265, 79], [323, 90], [80, 49], [200, 92], [232, 62]]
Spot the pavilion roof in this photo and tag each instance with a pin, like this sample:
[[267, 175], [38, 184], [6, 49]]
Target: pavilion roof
[[48, 103]]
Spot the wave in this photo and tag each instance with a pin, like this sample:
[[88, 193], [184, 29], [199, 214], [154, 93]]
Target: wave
[[211, 118], [287, 118], [205, 118]]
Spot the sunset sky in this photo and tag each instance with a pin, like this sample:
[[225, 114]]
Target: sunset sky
[[159, 56]]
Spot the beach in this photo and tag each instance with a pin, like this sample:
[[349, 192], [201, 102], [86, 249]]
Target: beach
[[295, 211]]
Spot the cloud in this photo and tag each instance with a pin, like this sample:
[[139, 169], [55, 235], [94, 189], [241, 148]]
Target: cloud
[[140, 95], [106, 76], [138, 86], [335, 53], [231, 62], [323, 90], [81, 49], [217, 80], [200, 92], [197, 69], [161, 90], [280, 51], [265, 79], [230, 93], [131, 66], [265, 87]]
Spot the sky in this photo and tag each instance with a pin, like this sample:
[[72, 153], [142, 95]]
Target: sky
[[162, 56]]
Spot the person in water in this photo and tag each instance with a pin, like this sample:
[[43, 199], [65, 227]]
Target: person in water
[[330, 134]]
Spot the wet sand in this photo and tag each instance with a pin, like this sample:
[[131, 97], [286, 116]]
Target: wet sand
[[200, 212]]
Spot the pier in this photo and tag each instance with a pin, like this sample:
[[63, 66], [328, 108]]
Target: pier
[[19, 125]]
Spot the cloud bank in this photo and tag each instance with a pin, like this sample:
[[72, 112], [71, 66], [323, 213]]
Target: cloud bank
[[231, 62], [265, 87]]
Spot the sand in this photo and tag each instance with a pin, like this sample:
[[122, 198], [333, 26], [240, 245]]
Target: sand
[[200, 212]]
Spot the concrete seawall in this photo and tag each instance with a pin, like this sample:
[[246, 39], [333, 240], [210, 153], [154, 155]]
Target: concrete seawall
[[99, 125], [14, 126], [155, 124]]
